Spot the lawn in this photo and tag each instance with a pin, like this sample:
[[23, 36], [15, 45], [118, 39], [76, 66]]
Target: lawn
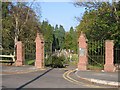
[[95, 67], [29, 62]]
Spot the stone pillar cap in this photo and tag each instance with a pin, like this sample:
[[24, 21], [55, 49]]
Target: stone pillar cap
[[40, 37], [82, 35]]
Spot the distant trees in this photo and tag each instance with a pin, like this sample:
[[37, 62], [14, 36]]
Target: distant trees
[[47, 31], [59, 33], [54, 37], [71, 40], [57, 38]]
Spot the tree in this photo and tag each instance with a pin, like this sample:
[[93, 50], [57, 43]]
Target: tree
[[101, 21], [74, 40], [7, 40], [22, 16], [47, 31], [71, 40], [55, 44], [20, 22], [60, 35]]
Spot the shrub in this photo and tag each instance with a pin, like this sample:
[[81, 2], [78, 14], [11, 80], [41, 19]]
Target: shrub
[[48, 61], [58, 61]]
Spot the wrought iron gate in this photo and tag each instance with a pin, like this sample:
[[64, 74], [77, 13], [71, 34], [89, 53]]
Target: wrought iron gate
[[117, 55], [96, 53], [29, 52]]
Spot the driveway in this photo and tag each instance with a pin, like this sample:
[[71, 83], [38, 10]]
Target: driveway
[[50, 78]]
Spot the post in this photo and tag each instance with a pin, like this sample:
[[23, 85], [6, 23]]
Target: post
[[39, 52], [109, 56], [83, 59], [20, 58]]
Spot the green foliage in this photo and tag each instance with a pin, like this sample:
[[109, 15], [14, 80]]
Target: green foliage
[[74, 59], [55, 44], [5, 8], [16, 24], [48, 61], [54, 37], [19, 22], [95, 67], [101, 23], [59, 33], [71, 40], [55, 61], [7, 29], [47, 31], [29, 62], [58, 61]]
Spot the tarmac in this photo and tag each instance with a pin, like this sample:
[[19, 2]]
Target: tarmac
[[100, 77]]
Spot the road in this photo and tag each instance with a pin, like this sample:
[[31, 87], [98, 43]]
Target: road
[[50, 78]]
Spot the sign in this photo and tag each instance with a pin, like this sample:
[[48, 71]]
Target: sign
[[82, 51]]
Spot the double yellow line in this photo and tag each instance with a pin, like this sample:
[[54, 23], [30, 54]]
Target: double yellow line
[[66, 76]]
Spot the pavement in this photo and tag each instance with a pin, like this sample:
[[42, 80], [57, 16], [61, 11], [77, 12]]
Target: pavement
[[19, 70], [100, 77]]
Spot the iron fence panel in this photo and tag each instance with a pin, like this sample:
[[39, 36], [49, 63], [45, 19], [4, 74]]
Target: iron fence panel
[[96, 53]]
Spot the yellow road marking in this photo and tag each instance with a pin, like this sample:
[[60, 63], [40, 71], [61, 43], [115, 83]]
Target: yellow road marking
[[64, 76], [68, 78]]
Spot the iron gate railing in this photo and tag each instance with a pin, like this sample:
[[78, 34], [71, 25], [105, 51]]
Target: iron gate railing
[[116, 55], [29, 52], [96, 54]]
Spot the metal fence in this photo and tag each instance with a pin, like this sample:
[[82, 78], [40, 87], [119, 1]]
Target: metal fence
[[29, 52], [96, 54], [116, 55]]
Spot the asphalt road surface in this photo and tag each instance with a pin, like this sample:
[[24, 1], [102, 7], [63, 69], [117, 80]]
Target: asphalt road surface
[[50, 78]]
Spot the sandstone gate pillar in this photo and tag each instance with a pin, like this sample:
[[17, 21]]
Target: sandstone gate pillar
[[39, 63], [83, 59], [20, 56], [109, 56]]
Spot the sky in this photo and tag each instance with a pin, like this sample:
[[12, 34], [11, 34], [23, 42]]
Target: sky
[[61, 13]]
